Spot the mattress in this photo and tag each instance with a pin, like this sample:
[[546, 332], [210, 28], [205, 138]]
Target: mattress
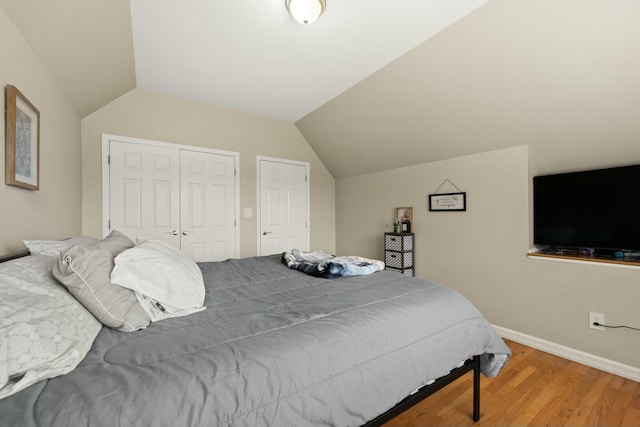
[[275, 347]]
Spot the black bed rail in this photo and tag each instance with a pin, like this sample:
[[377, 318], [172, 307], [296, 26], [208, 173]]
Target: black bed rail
[[426, 391], [9, 257]]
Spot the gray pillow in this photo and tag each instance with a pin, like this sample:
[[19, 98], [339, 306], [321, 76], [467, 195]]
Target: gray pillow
[[86, 272]]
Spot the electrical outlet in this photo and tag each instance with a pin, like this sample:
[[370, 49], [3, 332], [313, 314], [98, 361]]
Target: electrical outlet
[[596, 318]]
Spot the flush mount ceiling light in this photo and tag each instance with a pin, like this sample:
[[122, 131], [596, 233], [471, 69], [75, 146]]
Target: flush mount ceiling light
[[305, 11]]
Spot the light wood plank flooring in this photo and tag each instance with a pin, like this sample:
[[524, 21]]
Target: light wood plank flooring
[[534, 389]]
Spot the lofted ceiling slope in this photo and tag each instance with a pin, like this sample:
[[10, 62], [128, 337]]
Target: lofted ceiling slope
[[246, 55], [544, 73], [86, 45], [372, 85]]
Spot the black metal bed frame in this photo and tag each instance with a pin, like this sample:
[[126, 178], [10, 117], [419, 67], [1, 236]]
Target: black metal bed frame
[[9, 257], [426, 391]]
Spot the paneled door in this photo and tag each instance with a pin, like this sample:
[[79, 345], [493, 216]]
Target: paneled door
[[284, 205], [207, 190], [183, 196], [144, 191]]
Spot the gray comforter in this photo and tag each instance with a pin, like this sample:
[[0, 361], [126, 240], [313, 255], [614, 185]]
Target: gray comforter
[[275, 347]]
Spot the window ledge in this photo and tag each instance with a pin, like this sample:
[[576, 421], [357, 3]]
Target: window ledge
[[612, 262]]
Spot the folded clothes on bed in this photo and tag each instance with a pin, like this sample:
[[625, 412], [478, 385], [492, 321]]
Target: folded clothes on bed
[[322, 264]]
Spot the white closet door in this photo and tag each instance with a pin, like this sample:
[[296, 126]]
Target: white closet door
[[174, 193], [284, 201], [144, 186], [208, 205]]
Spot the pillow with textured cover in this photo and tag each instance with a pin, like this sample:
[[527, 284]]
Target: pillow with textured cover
[[86, 272], [44, 331], [54, 247]]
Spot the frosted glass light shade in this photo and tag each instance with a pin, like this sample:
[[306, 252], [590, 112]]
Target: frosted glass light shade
[[306, 11]]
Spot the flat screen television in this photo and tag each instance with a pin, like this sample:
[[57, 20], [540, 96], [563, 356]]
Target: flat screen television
[[598, 209]]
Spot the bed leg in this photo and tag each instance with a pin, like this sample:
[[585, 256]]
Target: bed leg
[[476, 388]]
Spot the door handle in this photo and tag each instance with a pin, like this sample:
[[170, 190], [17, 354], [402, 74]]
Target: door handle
[[184, 233], [264, 233], [174, 232]]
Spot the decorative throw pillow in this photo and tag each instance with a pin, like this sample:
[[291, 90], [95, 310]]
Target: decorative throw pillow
[[166, 282], [86, 272], [54, 247], [44, 331]]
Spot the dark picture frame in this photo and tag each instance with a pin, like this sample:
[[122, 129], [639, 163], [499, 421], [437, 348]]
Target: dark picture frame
[[448, 202], [23, 140]]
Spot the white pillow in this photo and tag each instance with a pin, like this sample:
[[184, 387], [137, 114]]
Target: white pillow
[[54, 247], [44, 331], [159, 273]]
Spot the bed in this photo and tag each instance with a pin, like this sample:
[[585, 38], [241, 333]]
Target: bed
[[274, 347]]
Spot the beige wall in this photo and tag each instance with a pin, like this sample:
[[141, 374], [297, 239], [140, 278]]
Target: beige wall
[[54, 211], [148, 115], [560, 78], [482, 252]]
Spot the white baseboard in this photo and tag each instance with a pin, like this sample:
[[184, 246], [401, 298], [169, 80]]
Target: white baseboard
[[588, 359]]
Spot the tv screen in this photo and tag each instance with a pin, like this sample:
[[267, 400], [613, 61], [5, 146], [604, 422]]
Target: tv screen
[[597, 209]]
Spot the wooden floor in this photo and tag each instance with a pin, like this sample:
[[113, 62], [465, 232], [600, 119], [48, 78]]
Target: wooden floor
[[534, 389]]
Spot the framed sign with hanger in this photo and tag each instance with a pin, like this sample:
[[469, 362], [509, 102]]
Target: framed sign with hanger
[[447, 202]]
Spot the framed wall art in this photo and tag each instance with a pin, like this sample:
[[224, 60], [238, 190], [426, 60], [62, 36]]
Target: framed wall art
[[448, 202], [23, 140], [404, 214]]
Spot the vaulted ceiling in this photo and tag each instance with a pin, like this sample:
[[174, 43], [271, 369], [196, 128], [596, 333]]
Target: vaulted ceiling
[[247, 55], [372, 85]]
